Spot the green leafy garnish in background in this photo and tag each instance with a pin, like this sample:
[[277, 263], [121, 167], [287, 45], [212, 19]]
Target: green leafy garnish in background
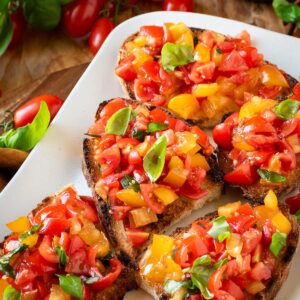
[[6, 28], [271, 176], [72, 285], [26, 137], [287, 11], [11, 294]]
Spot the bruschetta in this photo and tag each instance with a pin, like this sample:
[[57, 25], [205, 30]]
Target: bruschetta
[[147, 169], [259, 146], [239, 252], [60, 252], [198, 74]]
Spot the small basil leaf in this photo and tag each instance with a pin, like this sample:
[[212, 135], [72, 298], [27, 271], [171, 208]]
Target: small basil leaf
[[5, 266], [171, 286], [271, 176], [154, 160], [220, 229], [138, 134], [6, 31], [297, 214], [11, 294], [129, 182], [220, 263], [26, 137], [4, 5], [174, 55], [287, 109], [72, 285], [62, 255], [278, 243], [153, 126], [118, 122], [287, 11], [204, 260], [31, 231], [42, 14], [200, 276]]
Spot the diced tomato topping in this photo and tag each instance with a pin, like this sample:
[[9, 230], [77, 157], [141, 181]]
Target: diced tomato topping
[[137, 237], [234, 62], [260, 272], [251, 238], [244, 174], [151, 201], [125, 69], [233, 289]]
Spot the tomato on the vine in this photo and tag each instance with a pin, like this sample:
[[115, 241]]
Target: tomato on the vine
[[26, 113], [80, 16], [181, 5], [19, 26], [101, 29]]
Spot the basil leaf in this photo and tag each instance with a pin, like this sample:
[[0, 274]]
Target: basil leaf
[[200, 276], [11, 294], [171, 286], [118, 122], [4, 5], [204, 260], [31, 231], [220, 263], [138, 134], [287, 11], [42, 14], [154, 160], [72, 285], [65, 2], [62, 255], [271, 176], [153, 126], [220, 229], [278, 242], [129, 182], [5, 267], [6, 30], [287, 109], [174, 55], [297, 214]]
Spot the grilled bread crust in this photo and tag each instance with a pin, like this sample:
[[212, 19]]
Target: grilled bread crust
[[173, 213], [259, 190], [208, 122], [279, 274], [124, 283]]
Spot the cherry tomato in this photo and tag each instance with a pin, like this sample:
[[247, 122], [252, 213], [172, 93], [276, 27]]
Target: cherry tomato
[[54, 226], [80, 16], [196, 177], [109, 160], [19, 27], [137, 237], [233, 289], [26, 112], [50, 211], [150, 69], [241, 223], [268, 230], [154, 204], [108, 279], [222, 135], [145, 89], [251, 56], [158, 115], [187, 191], [244, 174], [47, 251], [251, 239], [202, 72], [233, 63], [125, 69], [215, 280], [178, 5], [120, 212], [155, 34], [260, 272], [134, 158], [100, 31]]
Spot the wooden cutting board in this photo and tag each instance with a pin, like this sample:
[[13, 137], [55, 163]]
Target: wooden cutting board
[[59, 83]]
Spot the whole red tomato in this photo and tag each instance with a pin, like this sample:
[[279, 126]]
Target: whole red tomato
[[99, 33], [19, 27], [26, 113], [178, 5], [80, 16]]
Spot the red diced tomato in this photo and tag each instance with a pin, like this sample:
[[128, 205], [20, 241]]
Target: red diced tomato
[[251, 238], [125, 69], [260, 272], [233, 63], [233, 289], [111, 107], [54, 226], [137, 237]]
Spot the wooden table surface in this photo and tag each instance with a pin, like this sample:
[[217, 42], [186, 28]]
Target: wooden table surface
[[51, 62]]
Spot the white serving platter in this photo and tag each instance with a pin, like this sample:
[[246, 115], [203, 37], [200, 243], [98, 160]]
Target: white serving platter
[[56, 160]]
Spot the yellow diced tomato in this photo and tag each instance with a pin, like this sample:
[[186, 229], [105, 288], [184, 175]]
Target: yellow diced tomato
[[130, 46], [217, 56], [31, 240], [176, 177], [89, 233], [57, 293], [255, 106], [184, 105], [181, 34], [202, 53], [218, 103], [161, 245], [275, 163], [255, 287], [243, 146], [294, 142], [131, 198], [205, 89], [234, 244], [263, 213], [173, 270], [142, 148], [282, 223], [228, 209], [198, 160], [103, 245], [165, 195], [175, 162], [154, 272], [19, 225], [271, 200], [141, 216], [140, 41], [297, 115], [140, 58], [256, 257], [3, 285], [271, 76], [194, 150], [185, 141]]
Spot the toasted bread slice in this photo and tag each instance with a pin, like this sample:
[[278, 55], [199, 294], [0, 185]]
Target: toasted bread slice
[[172, 214], [116, 291], [273, 285], [204, 122]]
